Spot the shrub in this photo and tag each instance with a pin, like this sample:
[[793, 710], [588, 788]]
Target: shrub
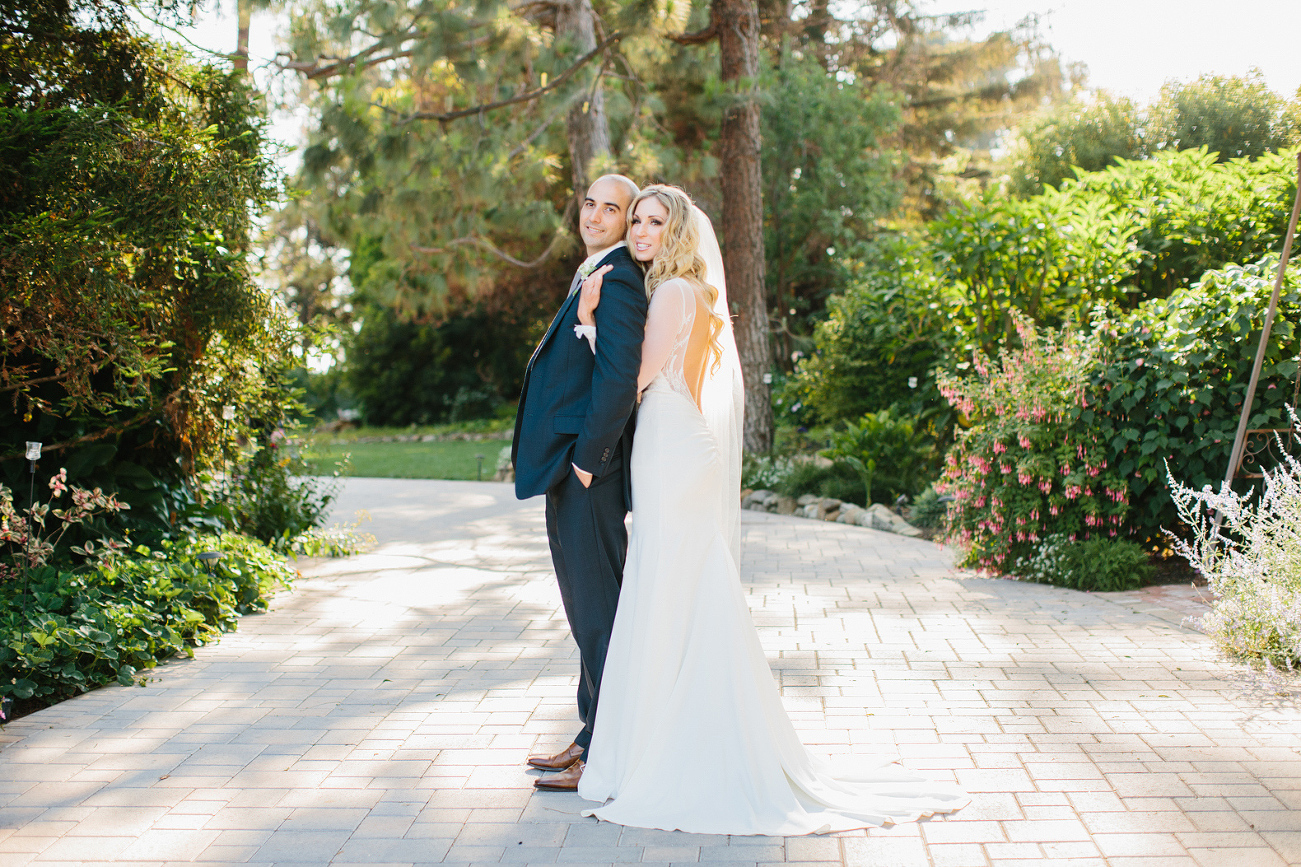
[[337, 541], [129, 186], [886, 454], [63, 633], [879, 344], [1030, 465], [1098, 564], [928, 511], [1173, 378], [271, 498], [763, 472], [1051, 258], [1193, 214], [811, 476], [1107, 409], [1229, 116], [1251, 562]]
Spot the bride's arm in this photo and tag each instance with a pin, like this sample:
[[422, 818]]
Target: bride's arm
[[668, 307]]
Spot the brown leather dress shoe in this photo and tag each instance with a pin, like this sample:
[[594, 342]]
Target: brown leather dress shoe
[[561, 760], [565, 781]]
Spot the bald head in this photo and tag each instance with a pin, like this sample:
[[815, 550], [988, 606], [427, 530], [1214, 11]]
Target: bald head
[[630, 188], [605, 209]]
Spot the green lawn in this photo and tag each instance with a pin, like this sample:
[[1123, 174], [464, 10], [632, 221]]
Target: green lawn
[[431, 460]]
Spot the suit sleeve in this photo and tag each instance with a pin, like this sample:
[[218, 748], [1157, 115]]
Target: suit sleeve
[[621, 323]]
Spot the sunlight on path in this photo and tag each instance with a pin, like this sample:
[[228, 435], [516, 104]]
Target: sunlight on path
[[381, 714]]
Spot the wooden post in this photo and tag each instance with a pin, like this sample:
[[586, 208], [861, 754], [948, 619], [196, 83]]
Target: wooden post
[[1240, 441]]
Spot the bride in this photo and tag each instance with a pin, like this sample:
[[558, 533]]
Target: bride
[[690, 730]]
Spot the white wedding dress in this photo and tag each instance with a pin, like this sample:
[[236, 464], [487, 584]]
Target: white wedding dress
[[691, 733]]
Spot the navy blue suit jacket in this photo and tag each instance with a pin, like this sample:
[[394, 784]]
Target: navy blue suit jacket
[[576, 406]]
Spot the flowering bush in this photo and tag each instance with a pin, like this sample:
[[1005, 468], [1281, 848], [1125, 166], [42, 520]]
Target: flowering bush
[[1252, 563], [1028, 467]]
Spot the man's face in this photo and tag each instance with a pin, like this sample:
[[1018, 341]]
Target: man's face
[[601, 221]]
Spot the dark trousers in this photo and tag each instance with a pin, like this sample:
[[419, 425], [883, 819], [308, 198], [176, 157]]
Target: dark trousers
[[588, 546]]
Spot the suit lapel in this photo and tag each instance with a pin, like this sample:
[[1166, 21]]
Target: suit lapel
[[570, 301], [560, 315]]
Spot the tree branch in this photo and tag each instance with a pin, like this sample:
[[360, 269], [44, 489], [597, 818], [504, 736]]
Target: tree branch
[[66, 374], [90, 437], [699, 37], [313, 70], [485, 244], [542, 127], [560, 79]]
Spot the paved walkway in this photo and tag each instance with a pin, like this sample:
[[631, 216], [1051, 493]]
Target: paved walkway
[[380, 714]]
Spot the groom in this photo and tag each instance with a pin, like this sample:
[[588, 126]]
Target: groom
[[573, 439]]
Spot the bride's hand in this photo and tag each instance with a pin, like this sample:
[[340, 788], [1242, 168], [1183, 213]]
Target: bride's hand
[[590, 295]]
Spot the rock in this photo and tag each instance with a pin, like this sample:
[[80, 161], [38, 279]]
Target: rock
[[785, 505], [828, 506], [805, 499], [880, 517], [831, 516], [745, 492], [849, 513], [754, 498]]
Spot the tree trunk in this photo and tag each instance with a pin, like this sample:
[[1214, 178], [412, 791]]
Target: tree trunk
[[737, 23], [586, 126], [241, 42]]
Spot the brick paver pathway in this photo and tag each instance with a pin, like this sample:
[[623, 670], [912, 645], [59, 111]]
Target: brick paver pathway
[[380, 714]]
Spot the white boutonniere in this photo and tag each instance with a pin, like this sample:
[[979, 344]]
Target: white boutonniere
[[585, 270]]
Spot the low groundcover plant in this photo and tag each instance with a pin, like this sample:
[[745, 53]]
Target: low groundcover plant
[[1251, 559]]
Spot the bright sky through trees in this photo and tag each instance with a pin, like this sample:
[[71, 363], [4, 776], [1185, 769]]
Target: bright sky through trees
[[1132, 47]]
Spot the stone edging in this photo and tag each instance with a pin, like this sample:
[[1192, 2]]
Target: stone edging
[[876, 516]]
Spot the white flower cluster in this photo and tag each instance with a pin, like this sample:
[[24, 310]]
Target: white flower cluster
[[1047, 565], [1251, 558]]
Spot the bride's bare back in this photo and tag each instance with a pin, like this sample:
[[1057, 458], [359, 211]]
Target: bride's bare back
[[677, 338]]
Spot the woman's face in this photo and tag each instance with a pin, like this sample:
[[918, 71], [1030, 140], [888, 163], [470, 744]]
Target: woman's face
[[644, 234]]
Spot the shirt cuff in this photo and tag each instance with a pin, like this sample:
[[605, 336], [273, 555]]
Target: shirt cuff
[[589, 332]]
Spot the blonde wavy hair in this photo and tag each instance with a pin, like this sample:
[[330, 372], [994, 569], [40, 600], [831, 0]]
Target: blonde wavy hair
[[679, 254]]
